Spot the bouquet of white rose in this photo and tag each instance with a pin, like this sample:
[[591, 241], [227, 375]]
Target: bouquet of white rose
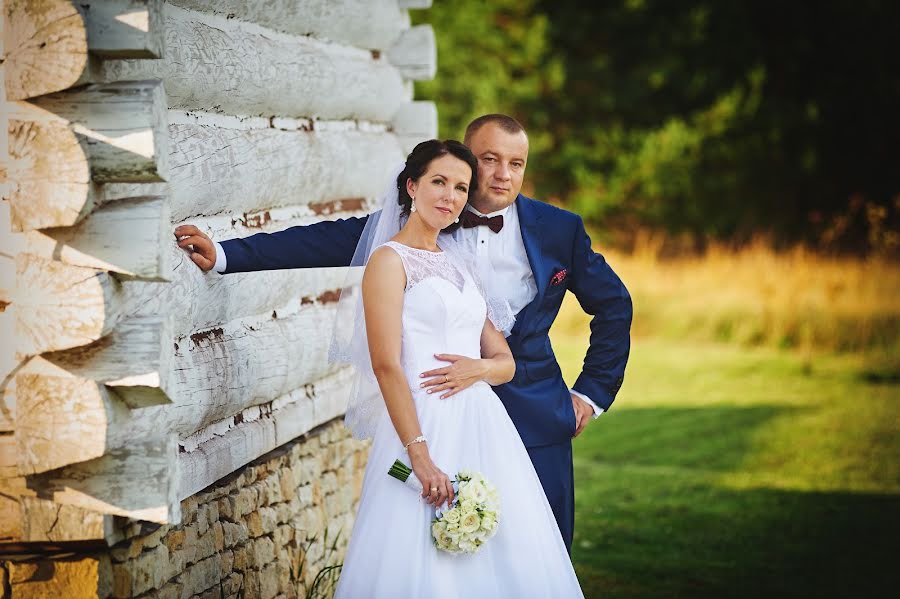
[[473, 517]]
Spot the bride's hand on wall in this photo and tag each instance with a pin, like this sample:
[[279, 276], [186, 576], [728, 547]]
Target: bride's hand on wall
[[462, 373]]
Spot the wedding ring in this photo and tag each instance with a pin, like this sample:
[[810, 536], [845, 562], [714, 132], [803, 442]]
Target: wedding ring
[[446, 378], [433, 489]]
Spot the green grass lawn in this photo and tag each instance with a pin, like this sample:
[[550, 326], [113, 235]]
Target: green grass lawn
[[727, 471]]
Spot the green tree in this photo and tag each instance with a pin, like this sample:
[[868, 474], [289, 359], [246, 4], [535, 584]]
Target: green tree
[[716, 118], [487, 54]]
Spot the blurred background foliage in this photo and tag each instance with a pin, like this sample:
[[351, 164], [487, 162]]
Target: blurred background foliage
[[710, 120], [736, 163]]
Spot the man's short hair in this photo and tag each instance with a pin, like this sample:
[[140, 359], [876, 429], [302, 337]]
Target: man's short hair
[[505, 122]]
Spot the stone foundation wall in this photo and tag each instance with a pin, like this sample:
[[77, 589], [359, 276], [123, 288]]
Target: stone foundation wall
[[265, 531]]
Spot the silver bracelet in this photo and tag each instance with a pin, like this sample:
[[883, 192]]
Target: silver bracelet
[[419, 439]]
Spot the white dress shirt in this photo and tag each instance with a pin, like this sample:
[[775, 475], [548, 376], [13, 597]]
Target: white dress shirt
[[504, 265], [500, 257]]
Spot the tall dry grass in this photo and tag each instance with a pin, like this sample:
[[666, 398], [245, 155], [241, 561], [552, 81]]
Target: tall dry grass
[[760, 296]]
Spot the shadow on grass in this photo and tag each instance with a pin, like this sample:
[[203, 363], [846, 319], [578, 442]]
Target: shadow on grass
[[715, 542], [655, 517]]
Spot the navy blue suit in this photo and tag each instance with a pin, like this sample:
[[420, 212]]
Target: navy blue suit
[[537, 398]]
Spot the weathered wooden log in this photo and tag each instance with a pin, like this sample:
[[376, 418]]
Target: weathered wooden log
[[212, 169], [260, 72], [415, 122], [370, 24], [62, 419], [292, 415], [45, 47], [124, 28], [135, 361], [49, 178], [47, 42], [124, 126], [9, 363], [415, 53], [12, 489], [62, 143], [60, 306], [248, 362], [128, 237], [414, 3], [63, 306], [42, 520], [138, 482]]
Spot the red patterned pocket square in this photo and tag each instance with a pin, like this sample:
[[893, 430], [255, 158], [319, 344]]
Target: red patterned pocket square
[[559, 277]]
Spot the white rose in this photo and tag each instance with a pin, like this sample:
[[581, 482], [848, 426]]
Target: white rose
[[470, 522], [451, 516], [436, 529], [487, 523]]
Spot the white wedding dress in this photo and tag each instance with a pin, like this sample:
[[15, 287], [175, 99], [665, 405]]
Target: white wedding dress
[[391, 554]]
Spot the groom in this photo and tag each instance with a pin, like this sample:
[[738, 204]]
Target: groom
[[536, 253]]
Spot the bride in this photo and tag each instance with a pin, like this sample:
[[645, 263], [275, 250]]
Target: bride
[[421, 298]]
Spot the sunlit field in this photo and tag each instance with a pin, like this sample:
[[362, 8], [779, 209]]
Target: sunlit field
[[754, 449], [757, 296]]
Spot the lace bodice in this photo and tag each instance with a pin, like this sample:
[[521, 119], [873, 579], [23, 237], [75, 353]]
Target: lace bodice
[[422, 264], [443, 309]]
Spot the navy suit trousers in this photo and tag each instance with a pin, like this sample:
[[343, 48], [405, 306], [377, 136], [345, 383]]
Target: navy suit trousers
[[553, 464]]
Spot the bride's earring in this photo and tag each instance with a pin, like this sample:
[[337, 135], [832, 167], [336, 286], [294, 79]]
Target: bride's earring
[[457, 220], [412, 208]]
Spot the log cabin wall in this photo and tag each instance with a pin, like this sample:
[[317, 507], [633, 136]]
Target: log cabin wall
[[165, 432]]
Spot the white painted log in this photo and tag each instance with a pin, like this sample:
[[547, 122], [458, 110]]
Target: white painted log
[[415, 122], [226, 66], [197, 301], [292, 416], [60, 306], [124, 28], [61, 143], [414, 3], [43, 520], [128, 237], [216, 169], [371, 24], [415, 53], [45, 47], [248, 362], [135, 361], [64, 419], [138, 482]]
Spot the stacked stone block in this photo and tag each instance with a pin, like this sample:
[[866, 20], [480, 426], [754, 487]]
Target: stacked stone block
[[265, 531]]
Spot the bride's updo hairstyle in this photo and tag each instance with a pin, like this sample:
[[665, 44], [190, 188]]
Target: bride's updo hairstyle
[[417, 163]]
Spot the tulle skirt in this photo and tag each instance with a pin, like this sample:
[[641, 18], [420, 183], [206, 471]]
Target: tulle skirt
[[391, 554]]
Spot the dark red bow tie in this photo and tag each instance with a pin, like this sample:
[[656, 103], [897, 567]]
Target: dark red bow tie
[[470, 219]]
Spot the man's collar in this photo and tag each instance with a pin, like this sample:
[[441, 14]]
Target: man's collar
[[502, 211]]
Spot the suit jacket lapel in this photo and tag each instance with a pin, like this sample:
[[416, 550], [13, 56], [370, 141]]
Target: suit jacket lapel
[[530, 226]]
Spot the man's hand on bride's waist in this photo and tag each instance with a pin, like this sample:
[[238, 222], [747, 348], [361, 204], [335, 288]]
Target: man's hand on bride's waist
[[462, 373]]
